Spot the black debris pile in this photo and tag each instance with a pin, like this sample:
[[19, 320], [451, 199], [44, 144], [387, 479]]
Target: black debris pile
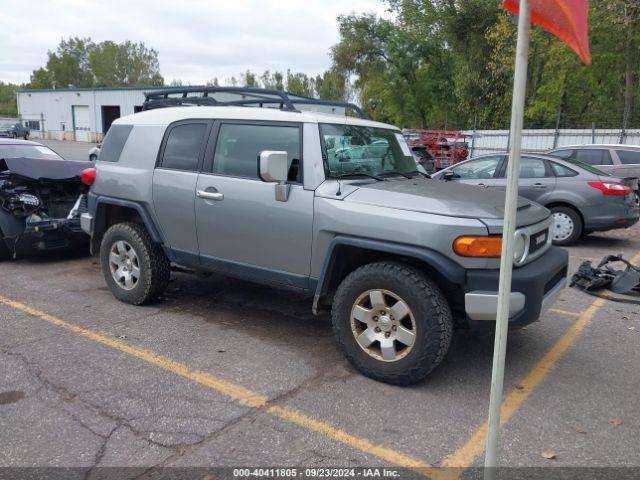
[[607, 281]]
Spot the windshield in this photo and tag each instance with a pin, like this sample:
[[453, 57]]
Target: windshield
[[28, 151], [352, 149]]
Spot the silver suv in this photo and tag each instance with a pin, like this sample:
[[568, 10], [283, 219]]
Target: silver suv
[[322, 203]]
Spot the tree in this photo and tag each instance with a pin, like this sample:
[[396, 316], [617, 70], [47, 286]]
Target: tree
[[125, 64], [8, 105], [79, 62]]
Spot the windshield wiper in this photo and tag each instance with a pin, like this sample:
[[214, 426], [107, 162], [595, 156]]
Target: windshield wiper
[[395, 172], [358, 174]]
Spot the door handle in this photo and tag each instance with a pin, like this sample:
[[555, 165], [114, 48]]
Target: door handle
[[539, 185], [216, 196]]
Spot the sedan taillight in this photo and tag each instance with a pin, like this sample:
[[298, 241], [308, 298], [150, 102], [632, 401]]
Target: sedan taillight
[[612, 188]]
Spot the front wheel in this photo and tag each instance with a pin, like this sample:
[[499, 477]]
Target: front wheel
[[567, 226], [93, 157], [135, 268], [392, 322]]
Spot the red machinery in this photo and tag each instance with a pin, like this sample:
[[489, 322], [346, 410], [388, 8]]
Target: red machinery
[[446, 146]]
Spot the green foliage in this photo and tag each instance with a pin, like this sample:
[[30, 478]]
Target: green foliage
[[8, 106], [79, 62], [445, 63], [331, 85]]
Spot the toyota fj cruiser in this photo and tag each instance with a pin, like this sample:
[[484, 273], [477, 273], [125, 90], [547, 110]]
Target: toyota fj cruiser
[[300, 195]]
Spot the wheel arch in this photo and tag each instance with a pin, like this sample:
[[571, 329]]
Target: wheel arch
[[110, 211], [345, 254], [563, 203]]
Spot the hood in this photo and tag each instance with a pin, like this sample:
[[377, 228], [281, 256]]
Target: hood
[[44, 169], [445, 198]]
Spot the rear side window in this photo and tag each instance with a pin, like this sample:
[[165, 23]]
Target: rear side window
[[562, 171], [183, 147], [114, 143], [532, 168], [594, 156], [628, 157], [239, 146]]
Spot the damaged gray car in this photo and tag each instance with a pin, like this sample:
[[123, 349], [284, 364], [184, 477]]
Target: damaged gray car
[[41, 198]]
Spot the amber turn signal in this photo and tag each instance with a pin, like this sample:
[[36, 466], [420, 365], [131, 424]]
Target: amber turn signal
[[478, 246]]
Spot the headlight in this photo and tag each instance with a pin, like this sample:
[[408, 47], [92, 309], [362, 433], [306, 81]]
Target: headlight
[[520, 248]]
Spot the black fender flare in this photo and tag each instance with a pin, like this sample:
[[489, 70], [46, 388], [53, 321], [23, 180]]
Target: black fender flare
[[446, 267], [96, 200]]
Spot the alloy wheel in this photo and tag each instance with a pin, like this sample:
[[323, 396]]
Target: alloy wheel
[[124, 265], [383, 325]]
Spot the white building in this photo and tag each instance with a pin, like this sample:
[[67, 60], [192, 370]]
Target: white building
[[81, 114]]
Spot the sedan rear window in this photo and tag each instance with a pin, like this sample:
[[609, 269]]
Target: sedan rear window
[[28, 151]]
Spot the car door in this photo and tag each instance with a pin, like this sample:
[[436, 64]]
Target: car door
[[480, 171], [629, 163], [536, 178], [174, 185], [242, 228]]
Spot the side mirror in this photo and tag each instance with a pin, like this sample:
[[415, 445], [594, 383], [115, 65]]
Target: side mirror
[[274, 168]]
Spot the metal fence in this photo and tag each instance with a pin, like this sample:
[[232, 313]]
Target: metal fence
[[541, 140]]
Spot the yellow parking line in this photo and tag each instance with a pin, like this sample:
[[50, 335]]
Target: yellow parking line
[[475, 446], [565, 312], [238, 393]]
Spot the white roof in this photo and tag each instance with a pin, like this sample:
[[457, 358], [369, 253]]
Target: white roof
[[167, 115]]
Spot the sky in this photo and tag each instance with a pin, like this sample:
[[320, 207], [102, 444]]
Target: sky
[[196, 40]]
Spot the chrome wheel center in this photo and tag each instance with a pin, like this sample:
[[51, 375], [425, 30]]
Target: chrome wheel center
[[383, 325]]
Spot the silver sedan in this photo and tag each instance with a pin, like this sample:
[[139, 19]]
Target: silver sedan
[[582, 198]]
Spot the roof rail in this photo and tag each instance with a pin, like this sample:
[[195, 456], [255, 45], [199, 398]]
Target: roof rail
[[239, 96]]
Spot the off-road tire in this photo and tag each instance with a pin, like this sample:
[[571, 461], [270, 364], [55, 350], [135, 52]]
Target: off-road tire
[[577, 226], [93, 157], [154, 264], [434, 323]]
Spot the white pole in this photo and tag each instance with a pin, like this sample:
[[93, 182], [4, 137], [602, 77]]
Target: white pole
[[506, 262]]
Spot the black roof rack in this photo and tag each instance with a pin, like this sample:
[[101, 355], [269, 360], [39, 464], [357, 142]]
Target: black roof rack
[[241, 96]]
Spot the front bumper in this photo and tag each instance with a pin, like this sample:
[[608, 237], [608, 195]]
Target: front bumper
[[534, 288]]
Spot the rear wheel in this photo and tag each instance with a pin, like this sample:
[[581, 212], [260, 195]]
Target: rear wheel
[[567, 226], [135, 268], [392, 322], [93, 157]]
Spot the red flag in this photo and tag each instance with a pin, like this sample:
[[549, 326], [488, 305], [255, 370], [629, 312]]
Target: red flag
[[566, 19]]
